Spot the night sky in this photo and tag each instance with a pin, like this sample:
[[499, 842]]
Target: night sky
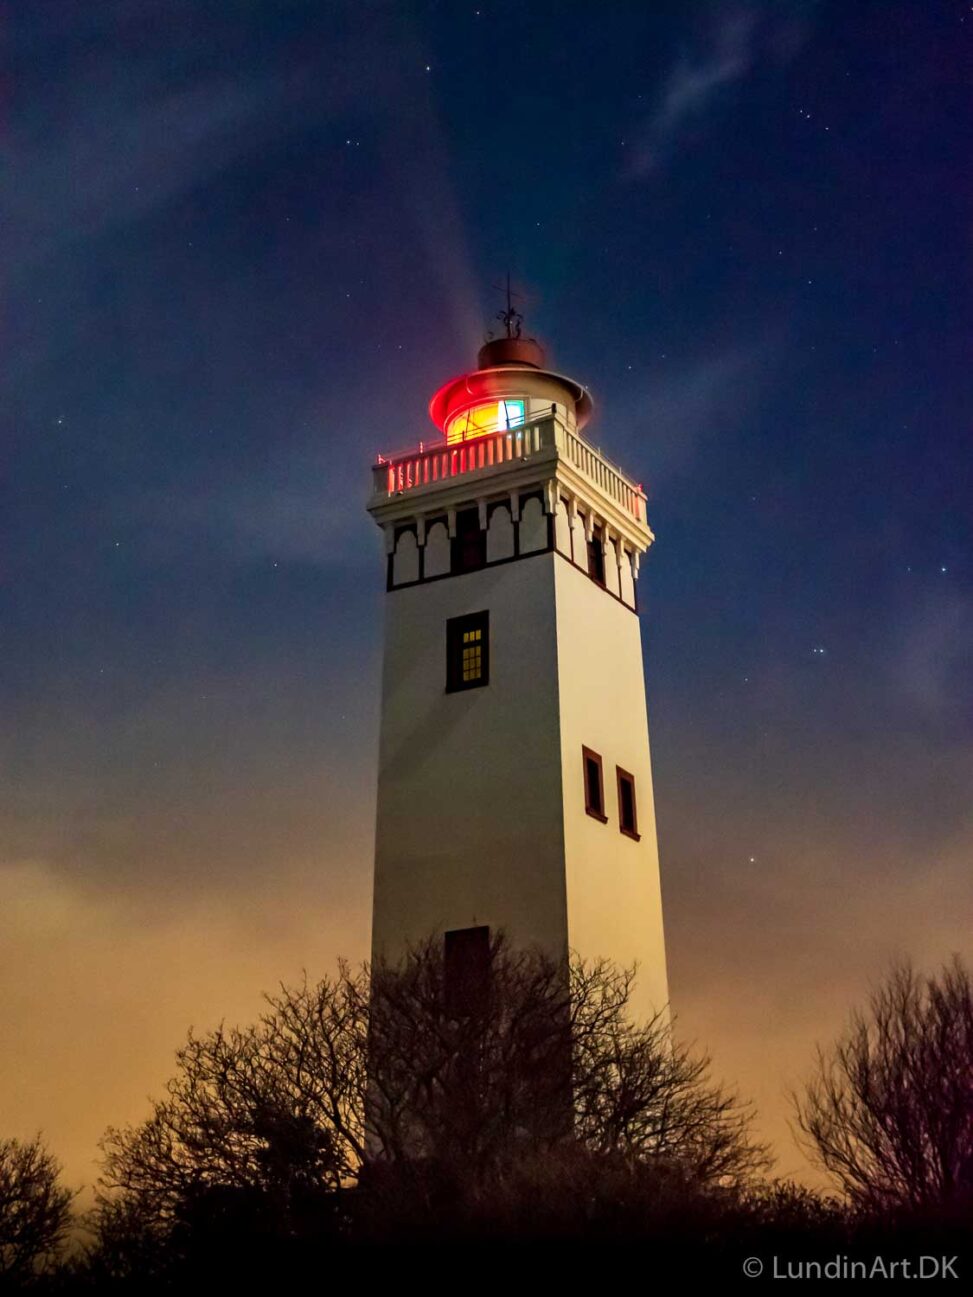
[[244, 243]]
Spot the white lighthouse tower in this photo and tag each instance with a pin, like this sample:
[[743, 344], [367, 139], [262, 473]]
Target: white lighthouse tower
[[515, 786]]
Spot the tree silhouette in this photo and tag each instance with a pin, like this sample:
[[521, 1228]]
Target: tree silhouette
[[275, 1108], [889, 1110], [550, 1054], [34, 1209], [387, 1079]]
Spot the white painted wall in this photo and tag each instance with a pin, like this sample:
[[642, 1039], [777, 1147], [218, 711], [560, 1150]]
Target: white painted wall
[[562, 530], [500, 535], [405, 562], [481, 815], [533, 526], [469, 825], [437, 557], [613, 888]]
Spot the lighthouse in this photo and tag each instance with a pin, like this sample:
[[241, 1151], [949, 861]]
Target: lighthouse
[[514, 781]]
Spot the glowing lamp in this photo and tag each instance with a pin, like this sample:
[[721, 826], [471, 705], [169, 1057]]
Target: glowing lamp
[[480, 420], [509, 388]]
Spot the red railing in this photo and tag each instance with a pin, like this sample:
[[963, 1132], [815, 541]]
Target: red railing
[[423, 467]]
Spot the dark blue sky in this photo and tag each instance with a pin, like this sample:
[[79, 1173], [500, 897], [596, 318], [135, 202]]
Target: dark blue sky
[[243, 245]]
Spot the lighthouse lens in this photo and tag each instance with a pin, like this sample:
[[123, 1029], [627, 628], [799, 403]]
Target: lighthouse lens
[[481, 420]]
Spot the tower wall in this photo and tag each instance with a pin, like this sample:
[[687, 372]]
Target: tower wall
[[481, 807], [614, 903], [469, 826]]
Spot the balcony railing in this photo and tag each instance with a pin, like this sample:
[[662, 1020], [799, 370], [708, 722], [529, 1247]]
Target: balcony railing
[[424, 467]]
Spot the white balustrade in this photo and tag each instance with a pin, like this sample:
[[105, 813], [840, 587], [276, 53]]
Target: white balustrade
[[424, 467]]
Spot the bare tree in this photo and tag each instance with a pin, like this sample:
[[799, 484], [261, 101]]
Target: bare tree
[[274, 1108], [462, 1081], [391, 1070], [550, 1054], [34, 1209], [889, 1109], [638, 1089]]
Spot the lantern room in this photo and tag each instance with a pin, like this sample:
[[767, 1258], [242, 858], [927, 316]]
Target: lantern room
[[509, 388]]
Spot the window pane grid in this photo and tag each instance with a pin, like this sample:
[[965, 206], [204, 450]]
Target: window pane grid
[[472, 663], [467, 651]]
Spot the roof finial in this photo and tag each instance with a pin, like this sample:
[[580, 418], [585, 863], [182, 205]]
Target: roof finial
[[511, 319]]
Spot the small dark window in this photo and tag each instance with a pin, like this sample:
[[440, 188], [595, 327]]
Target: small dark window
[[594, 786], [469, 543], [466, 971], [467, 651], [596, 557], [627, 817]]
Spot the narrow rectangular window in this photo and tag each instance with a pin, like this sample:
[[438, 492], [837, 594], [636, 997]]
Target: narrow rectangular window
[[627, 816], [466, 971], [594, 785], [469, 543], [596, 557], [467, 651]]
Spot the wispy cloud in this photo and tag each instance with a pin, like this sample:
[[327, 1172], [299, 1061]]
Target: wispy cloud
[[292, 519], [144, 109], [703, 396], [935, 642], [728, 51]]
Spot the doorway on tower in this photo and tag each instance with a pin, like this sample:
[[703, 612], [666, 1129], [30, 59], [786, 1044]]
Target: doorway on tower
[[510, 1010], [469, 543], [466, 971]]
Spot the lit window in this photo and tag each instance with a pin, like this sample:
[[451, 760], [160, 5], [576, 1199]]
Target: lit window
[[467, 652], [472, 655], [627, 817], [481, 420], [594, 787]]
